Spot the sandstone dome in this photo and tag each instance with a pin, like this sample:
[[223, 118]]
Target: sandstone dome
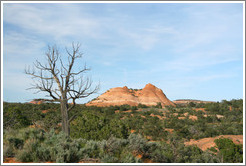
[[150, 95]]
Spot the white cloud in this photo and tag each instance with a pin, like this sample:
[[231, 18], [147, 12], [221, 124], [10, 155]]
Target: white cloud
[[203, 38], [50, 20], [147, 38], [17, 44]]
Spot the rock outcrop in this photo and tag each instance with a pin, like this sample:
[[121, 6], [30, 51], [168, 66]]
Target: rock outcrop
[[149, 95], [187, 101]]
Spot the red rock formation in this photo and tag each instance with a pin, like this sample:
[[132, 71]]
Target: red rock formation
[[36, 102], [149, 95]]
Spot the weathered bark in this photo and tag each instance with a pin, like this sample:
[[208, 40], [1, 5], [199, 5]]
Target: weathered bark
[[70, 85], [64, 116]]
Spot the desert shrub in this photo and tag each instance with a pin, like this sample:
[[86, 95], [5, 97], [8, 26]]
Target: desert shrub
[[100, 134], [142, 106], [157, 152], [67, 151], [208, 157], [115, 145], [191, 154], [92, 149], [155, 112], [228, 151], [128, 157], [158, 156], [107, 158], [50, 147], [212, 149], [192, 104], [108, 112], [8, 151], [137, 143], [97, 127], [51, 119], [29, 151], [13, 117], [134, 108], [125, 107], [158, 105], [60, 148], [31, 133], [14, 141], [213, 107], [146, 113]]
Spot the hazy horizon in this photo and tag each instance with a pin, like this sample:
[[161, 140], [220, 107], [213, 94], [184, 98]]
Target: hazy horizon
[[189, 50]]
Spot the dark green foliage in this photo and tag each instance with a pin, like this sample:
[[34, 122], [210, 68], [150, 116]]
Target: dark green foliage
[[142, 106], [8, 151], [16, 142], [158, 105], [134, 108], [160, 153], [50, 120], [52, 147], [228, 151], [125, 107], [97, 127], [13, 117], [212, 149], [100, 134], [29, 152], [137, 143], [128, 157], [61, 149], [191, 104]]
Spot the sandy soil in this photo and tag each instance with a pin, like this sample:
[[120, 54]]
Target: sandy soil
[[13, 160], [206, 143]]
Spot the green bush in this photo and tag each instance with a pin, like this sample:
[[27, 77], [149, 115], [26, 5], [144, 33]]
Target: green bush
[[107, 158], [128, 157], [14, 117], [142, 106], [91, 149], [8, 151], [60, 148], [137, 143], [100, 134], [29, 152], [228, 151], [16, 142], [97, 127]]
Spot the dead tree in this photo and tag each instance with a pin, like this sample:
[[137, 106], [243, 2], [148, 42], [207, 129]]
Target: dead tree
[[59, 80]]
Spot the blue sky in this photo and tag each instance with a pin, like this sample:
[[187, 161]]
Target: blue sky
[[190, 51]]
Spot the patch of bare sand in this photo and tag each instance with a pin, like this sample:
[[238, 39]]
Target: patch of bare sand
[[169, 130], [200, 109], [206, 143], [158, 116], [13, 160]]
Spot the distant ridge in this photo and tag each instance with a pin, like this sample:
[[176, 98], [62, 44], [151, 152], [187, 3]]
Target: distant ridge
[[185, 101], [150, 95]]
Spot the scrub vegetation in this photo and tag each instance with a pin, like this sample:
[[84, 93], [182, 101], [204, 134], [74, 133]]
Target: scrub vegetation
[[123, 134]]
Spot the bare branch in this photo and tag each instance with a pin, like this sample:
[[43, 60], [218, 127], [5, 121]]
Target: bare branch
[[72, 118], [59, 80]]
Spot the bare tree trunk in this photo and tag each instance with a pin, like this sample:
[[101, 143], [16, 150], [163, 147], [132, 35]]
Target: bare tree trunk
[[70, 84], [64, 115]]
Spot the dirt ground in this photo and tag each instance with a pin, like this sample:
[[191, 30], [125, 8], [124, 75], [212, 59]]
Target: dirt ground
[[206, 143], [13, 160]]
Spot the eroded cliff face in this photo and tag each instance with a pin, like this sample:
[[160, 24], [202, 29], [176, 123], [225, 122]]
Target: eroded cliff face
[[149, 95]]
